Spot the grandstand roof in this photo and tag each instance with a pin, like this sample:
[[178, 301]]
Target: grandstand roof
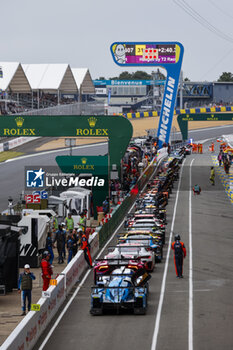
[[51, 77], [83, 80], [14, 78]]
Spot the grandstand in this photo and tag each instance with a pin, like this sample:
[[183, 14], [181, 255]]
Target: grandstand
[[26, 87]]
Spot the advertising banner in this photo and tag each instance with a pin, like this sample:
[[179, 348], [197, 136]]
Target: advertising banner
[[168, 55]]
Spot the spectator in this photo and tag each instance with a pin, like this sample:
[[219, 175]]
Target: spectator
[[25, 287]]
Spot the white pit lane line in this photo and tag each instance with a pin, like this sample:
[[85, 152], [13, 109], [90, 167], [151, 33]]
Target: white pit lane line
[[162, 292], [190, 262], [78, 288]]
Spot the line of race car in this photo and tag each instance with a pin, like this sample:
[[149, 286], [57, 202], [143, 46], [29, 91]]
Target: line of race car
[[122, 276]]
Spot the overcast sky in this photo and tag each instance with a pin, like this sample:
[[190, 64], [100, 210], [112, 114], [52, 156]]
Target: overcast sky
[[80, 32]]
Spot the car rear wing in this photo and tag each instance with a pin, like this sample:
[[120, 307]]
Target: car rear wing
[[118, 261], [128, 246]]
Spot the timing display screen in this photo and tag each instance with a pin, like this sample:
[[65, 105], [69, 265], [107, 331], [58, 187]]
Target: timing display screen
[[145, 53]]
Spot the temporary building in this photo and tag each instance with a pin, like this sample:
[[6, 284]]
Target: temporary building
[[83, 80], [51, 78], [13, 78]]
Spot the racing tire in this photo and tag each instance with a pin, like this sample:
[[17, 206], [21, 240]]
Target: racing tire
[[96, 312], [139, 311]]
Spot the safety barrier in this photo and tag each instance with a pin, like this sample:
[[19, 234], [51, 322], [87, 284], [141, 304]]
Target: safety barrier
[[180, 111], [5, 146]]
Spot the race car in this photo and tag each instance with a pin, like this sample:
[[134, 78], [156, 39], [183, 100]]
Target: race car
[[137, 220], [122, 289], [148, 217], [132, 251], [151, 227], [104, 267], [160, 213], [144, 240], [156, 234]]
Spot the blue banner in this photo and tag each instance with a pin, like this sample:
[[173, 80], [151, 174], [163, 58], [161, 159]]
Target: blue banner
[[168, 106], [128, 82]]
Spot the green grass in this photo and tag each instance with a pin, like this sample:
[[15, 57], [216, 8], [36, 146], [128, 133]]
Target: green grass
[[8, 155]]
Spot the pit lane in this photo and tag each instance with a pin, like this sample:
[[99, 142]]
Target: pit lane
[[212, 283]]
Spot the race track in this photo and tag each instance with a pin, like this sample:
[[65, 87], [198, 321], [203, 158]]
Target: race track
[[195, 312]]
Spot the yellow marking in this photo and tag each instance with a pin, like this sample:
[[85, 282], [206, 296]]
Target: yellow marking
[[139, 49], [35, 307]]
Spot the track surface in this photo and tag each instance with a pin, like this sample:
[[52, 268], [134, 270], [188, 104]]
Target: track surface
[[212, 242]]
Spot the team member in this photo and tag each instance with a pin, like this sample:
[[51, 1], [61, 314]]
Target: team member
[[69, 223], [49, 247], [179, 254], [212, 176], [82, 221], [47, 270], [25, 286], [60, 239], [86, 248], [196, 189]]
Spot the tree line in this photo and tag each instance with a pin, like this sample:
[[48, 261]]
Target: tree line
[[141, 75]]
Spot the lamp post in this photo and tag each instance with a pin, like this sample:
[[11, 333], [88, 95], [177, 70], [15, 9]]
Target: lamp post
[[70, 142]]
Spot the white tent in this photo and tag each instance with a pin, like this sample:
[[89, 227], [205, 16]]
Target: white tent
[[83, 80], [14, 79], [51, 78]]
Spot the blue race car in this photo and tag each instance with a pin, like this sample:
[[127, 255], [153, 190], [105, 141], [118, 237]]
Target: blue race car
[[123, 289]]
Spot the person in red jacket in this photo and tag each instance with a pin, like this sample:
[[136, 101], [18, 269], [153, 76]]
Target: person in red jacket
[[85, 246], [46, 270], [179, 255]]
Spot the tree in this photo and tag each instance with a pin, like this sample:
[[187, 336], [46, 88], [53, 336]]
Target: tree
[[186, 79], [226, 76], [138, 75], [125, 76], [141, 75]]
